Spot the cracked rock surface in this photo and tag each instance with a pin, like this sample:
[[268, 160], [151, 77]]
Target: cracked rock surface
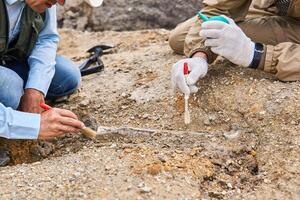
[[122, 15]]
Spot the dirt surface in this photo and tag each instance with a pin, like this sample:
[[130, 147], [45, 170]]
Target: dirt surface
[[122, 15], [243, 142]]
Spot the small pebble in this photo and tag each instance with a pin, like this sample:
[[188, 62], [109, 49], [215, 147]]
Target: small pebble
[[141, 185]]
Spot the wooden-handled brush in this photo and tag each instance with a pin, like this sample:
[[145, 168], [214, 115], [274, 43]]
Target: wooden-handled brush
[[87, 132], [187, 116]]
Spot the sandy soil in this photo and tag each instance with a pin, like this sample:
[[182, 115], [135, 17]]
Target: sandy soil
[[243, 143]]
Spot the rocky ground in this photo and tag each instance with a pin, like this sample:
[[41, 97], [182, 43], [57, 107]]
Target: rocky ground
[[243, 142], [122, 15]]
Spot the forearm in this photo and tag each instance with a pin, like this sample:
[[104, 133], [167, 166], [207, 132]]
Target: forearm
[[194, 43], [200, 55], [42, 59], [18, 125], [42, 67]]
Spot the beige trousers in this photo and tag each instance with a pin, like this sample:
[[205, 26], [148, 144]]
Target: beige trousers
[[280, 35]]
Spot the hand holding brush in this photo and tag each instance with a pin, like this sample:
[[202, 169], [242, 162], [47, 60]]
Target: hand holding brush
[[69, 123]]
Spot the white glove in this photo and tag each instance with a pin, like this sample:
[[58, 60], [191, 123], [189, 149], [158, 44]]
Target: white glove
[[94, 3], [197, 69], [229, 41]]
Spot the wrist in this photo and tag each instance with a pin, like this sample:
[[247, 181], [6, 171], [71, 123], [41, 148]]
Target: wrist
[[200, 54], [33, 92], [257, 55]]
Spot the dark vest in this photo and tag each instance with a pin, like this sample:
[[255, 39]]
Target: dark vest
[[31, 25]]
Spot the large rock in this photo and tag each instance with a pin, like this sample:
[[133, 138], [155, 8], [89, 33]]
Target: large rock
[[126, 14]]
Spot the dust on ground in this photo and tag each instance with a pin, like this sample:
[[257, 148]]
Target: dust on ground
[[243, 142]]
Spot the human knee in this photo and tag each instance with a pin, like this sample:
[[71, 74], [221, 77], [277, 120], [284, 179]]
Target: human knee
[[71, 76], [11, 88], [175, 42], [74, 77]]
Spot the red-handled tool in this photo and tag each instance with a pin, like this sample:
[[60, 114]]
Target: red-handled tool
[[85, 130], [45, 106], [187, 116], [186, 69]]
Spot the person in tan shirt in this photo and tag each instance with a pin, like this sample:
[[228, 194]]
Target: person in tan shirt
[[261, 34]]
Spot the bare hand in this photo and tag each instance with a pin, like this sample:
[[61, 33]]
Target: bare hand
[[56, 122], [31, 100]]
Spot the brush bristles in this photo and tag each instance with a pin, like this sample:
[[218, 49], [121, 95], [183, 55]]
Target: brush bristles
[[89, 133]]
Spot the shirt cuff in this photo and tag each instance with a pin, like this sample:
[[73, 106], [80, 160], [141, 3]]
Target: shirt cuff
[[270, 63], [24, 125], [211, 57]]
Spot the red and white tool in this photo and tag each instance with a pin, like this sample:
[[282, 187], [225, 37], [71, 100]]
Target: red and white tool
[[187, 116]]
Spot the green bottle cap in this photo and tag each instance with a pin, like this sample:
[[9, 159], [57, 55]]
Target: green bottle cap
[[214, 18]]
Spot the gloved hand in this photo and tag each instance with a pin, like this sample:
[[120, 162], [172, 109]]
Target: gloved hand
[[198, 69], [229, 41]]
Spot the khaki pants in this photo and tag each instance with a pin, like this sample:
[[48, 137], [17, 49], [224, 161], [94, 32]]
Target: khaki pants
[[280, 35]]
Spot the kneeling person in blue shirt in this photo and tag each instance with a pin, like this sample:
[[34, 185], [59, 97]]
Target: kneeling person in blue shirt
[[30, 71]]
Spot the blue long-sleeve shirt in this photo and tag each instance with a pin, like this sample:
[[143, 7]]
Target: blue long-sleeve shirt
[[19, 125]]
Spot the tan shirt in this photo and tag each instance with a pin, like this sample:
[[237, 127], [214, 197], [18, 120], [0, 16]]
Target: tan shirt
[[240, 8], [281, 36]]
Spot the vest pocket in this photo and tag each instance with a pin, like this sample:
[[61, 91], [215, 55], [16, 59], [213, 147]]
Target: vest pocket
[[38, 23], [36, 27]]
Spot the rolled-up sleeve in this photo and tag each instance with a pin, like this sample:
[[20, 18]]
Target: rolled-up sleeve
[[283, 60], [18, 125], [42, 59]]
